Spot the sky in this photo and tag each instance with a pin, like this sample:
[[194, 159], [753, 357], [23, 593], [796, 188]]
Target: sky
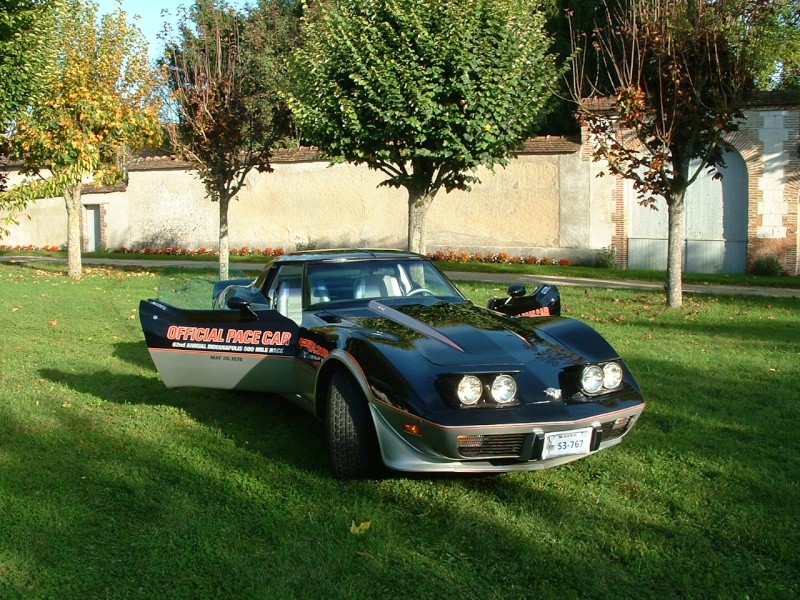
[[151, 21]]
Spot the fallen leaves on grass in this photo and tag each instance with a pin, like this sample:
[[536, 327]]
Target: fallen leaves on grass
[[360, 528]]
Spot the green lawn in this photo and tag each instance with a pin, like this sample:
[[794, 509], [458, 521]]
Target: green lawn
[[744, 279], [112, 486]]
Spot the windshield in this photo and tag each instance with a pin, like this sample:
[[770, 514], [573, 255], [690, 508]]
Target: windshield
[[338, 282]]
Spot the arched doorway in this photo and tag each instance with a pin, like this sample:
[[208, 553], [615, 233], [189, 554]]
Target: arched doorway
[[716, 224]]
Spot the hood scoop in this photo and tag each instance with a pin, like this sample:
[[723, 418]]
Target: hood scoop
[[457, 335], [412, 323]]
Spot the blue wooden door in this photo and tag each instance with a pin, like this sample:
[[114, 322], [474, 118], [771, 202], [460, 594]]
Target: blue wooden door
[[716, 224]]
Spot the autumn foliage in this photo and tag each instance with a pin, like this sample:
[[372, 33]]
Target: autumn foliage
[[224, 70], [101, 100], [668, 85]]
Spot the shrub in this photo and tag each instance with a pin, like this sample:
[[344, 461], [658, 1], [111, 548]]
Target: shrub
[[767, 265], [606, 258]]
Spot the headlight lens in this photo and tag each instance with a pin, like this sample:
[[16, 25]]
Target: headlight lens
[[612, 376], [592, 379], [504, 389], [469, 390]]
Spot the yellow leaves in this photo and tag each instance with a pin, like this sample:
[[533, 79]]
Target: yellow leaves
[[101, 97], [361, 528]]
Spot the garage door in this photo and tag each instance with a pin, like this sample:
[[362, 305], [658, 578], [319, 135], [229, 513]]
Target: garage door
[[716, 224]]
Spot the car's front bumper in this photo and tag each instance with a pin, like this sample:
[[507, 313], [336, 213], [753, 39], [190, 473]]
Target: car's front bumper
[[413, 444]]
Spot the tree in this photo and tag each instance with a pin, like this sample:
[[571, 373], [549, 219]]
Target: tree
[[777, 54], [26, 28], [560, 119], [424, 91], [101, 98], [224, 76], [679, 73]]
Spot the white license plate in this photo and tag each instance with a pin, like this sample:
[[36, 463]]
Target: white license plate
[[565, 443]]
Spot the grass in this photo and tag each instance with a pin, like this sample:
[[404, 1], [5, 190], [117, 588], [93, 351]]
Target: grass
[[744, 279], [113, 486]]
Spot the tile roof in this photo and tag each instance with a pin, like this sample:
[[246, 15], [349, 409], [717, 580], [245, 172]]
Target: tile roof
[[155, 160]]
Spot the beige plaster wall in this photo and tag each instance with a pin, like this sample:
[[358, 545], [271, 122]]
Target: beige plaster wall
[[515, 209], [117, 221], [44, 223], [538, 204], [166, 208], [330, 206]]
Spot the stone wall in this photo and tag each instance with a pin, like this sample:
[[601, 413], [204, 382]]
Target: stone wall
[[537, 205], [549, 201]]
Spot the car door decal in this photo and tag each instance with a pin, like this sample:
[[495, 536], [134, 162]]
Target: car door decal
[[220, 348]]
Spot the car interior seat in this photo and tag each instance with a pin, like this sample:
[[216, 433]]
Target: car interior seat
[[376, 286], [290, 299], [319, 291]]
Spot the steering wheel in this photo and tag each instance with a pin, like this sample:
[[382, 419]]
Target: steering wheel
[[420, 291]]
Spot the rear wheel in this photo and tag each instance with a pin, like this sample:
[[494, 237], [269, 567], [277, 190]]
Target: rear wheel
[[352, 442]]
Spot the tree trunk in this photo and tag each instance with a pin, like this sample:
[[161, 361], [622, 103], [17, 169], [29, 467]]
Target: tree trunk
[[418, 204], [677, 228], [72, 198], [224, 241], [676, 224]]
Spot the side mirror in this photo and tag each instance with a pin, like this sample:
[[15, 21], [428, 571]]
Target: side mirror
[[516, 290], [544, 301], [243, 306]]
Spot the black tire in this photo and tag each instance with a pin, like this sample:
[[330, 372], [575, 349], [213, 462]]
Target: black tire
[[352, 442]]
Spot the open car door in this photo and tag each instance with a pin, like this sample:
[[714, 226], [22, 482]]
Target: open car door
[[226, 349]]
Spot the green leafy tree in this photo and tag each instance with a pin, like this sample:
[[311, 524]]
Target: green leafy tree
[[225, 70], [778, 46], [26, 35], [101, 98], [670, 82], [424, 91]]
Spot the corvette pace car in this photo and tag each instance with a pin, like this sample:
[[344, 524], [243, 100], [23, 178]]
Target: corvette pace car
[[403, 370]]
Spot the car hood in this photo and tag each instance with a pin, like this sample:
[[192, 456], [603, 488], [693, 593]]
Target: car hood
[[461, 335]]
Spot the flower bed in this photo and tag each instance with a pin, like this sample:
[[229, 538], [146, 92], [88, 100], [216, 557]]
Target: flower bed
[[496, 257]]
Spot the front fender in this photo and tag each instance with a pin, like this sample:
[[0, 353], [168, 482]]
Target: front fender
[[578, 337], [338, 359], [375, 368]]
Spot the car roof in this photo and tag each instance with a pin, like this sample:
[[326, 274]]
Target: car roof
[[346, 255]]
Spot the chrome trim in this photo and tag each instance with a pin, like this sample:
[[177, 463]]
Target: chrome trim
[[404, 452]]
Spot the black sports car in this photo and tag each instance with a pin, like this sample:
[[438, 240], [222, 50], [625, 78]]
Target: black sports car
[[404, 371]]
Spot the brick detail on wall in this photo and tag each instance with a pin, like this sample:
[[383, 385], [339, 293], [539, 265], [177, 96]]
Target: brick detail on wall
[[86, 235], [101, 242], [768, 143], [619, 239]]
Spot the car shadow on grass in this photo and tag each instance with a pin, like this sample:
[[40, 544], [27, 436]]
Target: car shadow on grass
[[134, 353], [241, 416], [263, 423]]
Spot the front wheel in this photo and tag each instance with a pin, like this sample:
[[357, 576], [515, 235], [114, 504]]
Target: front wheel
[[352, 441]]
